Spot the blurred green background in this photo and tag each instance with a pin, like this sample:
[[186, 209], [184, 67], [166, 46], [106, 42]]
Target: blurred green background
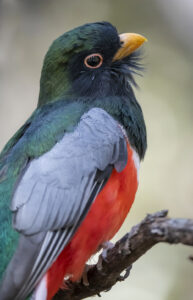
[[166, 181]]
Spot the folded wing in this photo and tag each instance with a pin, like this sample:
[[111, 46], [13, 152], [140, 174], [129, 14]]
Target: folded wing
[[57, 189]]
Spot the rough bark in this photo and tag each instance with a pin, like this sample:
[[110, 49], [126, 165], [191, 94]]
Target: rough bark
[[155, 228]]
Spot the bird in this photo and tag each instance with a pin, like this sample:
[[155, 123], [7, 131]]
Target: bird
[[69, 175]]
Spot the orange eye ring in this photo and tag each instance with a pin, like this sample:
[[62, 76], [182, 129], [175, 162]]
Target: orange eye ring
[[93, 61]]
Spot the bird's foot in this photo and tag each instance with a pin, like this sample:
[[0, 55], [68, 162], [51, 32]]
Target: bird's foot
[[106, 246], [67, 283], [84, 278]]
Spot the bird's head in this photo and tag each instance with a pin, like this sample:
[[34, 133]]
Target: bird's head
[[92, 60]]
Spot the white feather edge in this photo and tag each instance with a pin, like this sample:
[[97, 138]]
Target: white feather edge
[[136, 162], [41, 290]]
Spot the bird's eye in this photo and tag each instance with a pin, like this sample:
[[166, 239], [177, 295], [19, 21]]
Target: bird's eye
[[93, 61]]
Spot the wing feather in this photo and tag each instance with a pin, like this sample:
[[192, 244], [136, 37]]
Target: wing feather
[[57, 189]]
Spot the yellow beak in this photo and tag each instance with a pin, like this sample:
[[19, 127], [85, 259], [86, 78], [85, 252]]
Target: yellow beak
[[129, 43]]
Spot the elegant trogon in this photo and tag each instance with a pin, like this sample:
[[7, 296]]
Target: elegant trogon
[[69, 175]]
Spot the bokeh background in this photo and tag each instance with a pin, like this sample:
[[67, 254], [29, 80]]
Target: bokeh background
[[166, 181]]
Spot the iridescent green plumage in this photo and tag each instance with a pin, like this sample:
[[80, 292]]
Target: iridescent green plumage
[[67, 90], [46, 126]]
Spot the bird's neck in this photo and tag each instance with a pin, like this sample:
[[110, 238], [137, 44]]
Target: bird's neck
[[124, 108], [127, 111]]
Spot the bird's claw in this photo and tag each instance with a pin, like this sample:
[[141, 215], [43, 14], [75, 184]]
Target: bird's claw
[[68, 284], [84, 278], [106, 246]]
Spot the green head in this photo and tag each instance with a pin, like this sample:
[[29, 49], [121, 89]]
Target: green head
[[81, 61]]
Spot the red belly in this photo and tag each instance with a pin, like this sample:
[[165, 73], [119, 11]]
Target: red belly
[[103, 220]]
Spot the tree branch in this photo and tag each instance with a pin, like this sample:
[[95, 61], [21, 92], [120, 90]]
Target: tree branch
[[153, 229]]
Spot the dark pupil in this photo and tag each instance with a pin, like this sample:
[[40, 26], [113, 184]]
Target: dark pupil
[[93, 61]]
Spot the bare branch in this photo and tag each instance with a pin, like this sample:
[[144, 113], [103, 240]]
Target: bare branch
[[153, 229]]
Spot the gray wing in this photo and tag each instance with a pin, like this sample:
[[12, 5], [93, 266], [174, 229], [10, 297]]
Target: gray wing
[[57, 189]]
